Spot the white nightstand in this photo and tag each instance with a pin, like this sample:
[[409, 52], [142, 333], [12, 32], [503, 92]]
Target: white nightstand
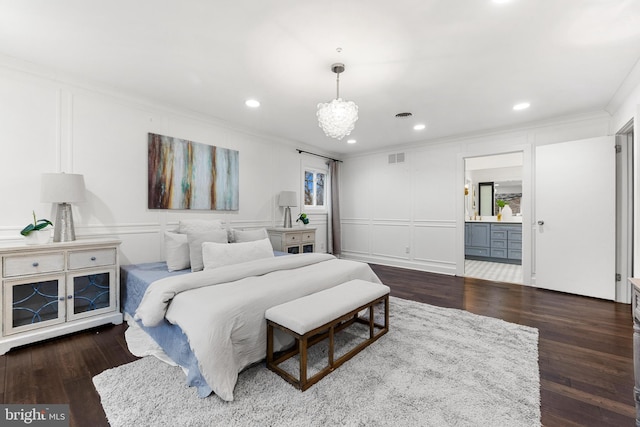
[[57, 288], [295, 240]]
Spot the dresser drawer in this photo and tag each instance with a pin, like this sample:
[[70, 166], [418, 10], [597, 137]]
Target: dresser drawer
[[309, 236], [33, 264], [91, 258], [292, 238]]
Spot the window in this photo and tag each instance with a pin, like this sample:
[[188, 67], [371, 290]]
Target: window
[[314, 188]]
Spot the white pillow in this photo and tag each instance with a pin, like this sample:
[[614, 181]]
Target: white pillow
[[240, 236], [187, 226], [176, 250], [216, 255], [195, 245]]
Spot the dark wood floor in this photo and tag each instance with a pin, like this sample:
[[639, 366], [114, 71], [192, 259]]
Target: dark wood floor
[[585, 351]]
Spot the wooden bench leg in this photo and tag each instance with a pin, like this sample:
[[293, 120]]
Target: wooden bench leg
[[331, 346], [302, 346], [269, 344], [386, 313], [371, 330]]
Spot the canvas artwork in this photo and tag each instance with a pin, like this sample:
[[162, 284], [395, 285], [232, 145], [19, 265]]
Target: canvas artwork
[[190, 175]]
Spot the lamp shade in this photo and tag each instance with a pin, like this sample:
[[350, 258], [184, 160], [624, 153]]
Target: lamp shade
[[288, 198], [62, 188]]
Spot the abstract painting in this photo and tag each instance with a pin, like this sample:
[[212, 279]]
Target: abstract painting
[[190, 175]]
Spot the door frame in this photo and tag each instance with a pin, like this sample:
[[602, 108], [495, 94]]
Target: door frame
[[624, 211], [526, 204]]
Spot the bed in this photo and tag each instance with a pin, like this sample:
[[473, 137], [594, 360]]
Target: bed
[[211, 322]]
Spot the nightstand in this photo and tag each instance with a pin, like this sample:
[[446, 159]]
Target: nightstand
[[293, 240]]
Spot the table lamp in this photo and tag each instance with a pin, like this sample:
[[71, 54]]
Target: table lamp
[[63, 189], [286, 200]]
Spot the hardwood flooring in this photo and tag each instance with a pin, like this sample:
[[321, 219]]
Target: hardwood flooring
[[585, 351], [585, 344]]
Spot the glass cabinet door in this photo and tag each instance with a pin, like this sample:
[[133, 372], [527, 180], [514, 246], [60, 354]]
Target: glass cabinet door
[[33, 303], [92, 293]]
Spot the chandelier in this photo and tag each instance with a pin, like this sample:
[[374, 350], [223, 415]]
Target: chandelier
[[337, 118]]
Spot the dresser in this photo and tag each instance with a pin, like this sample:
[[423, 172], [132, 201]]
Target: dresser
[[293, 240], [57, 288]]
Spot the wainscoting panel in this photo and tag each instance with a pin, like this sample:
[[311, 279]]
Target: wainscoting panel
[[420, 245], [391, 240], [139, 248], [355, 238], [434, 244]]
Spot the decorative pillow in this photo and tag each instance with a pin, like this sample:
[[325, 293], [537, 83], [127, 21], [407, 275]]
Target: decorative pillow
[[176, 250], [195, 245], [216, 255], [187, 226], [240, 236]]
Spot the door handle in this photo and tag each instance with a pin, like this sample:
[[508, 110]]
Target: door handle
[[541, 222]]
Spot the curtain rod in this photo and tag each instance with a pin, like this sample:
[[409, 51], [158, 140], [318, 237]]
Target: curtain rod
[[319, 155]]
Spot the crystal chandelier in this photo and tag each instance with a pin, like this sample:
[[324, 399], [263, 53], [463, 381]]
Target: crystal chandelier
[[337, 118]]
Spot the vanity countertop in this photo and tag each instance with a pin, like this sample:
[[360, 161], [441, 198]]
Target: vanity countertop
[[513, 220]]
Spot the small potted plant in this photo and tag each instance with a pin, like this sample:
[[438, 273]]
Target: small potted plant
[[501, 204], [35, 233], [303, 218]]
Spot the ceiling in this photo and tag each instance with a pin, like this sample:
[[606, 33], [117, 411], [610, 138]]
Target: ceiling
[[458, 65]]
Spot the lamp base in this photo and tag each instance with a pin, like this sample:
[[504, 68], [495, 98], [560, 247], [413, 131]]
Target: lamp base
[[287, 218], [63, 230]]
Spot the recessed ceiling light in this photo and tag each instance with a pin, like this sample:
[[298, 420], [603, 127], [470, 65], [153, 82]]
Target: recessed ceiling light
[[351, 141], [419, 126], [501, 1], [252, 103], [521, 106]]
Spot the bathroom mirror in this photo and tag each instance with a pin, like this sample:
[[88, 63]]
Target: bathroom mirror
[[485, 200]]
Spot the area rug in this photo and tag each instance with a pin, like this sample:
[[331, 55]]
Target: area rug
[[435, 367]]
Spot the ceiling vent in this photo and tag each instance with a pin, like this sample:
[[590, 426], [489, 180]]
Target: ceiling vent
[[403, 115]]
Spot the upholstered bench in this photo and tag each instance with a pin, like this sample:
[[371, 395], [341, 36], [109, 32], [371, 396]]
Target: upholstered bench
[[318, 316]]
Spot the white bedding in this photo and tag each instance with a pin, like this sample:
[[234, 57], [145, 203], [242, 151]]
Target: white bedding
[[222, 311]]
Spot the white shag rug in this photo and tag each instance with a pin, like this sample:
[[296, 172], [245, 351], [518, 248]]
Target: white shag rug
[[435, 367]]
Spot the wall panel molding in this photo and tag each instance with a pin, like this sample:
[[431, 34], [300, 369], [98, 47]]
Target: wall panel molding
[[434, 223], [442, 267]]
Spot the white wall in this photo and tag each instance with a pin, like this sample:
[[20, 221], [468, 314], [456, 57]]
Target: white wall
[[51, 126], [412, 214]]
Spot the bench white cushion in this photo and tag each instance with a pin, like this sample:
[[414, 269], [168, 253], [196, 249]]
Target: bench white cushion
[[312, 311]]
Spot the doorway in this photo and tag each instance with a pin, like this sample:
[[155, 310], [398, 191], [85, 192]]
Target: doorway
[[493, 243], [624, 211]]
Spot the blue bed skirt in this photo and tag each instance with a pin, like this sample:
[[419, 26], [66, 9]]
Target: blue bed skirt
[[135, 279]]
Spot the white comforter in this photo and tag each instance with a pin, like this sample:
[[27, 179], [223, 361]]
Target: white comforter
[[222, 311]]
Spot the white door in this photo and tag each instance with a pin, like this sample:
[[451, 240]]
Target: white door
[[575, 217]]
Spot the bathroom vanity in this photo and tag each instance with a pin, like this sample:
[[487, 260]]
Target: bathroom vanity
[[495, 241]]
